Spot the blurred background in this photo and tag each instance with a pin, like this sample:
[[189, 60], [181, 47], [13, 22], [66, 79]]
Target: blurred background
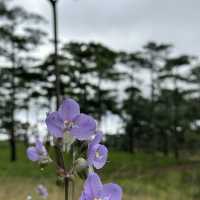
[[132, 64]]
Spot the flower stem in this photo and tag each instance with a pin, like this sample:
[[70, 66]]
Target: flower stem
[[66, 185], [61, 163], [73, 190]]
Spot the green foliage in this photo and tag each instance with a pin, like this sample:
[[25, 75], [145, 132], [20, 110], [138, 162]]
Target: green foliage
[[142, 176]]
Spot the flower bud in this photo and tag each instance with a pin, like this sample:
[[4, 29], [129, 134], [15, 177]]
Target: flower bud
[[45, 161], [68, 140], [81, 167], [81, 164]]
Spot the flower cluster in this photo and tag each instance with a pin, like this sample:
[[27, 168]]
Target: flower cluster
[[69, 126]]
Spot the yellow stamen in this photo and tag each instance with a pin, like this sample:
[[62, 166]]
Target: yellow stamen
[[97, 156]]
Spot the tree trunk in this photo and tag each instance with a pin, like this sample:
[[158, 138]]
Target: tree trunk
[[165, 143], [131, 139], [175, 116], [13, 155], [176, 150], [12, 129]]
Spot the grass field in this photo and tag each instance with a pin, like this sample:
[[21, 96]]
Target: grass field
[[142, 176]]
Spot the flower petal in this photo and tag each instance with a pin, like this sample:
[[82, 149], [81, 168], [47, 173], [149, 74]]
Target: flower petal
[[91, 153], [83, 197], [69, 109], [84, 127], [100, 160], [40, 147], [112, 191], [32, 154], [93, 186], [98, 137], [42, 191], [55, 124]]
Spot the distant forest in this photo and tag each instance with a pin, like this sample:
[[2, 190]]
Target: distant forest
[[104, 81]]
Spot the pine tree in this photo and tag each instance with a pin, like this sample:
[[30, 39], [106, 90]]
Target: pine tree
[[17, 37]]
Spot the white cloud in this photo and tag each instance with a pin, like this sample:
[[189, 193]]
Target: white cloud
[[126, 24]]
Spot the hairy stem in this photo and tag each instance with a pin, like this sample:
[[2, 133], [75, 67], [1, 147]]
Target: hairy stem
[[61, 164], [73, 190], [66, 185]]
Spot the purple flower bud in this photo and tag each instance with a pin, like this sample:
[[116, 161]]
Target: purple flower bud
[[42, 191], [97, 153], [38, 152], [69, 119], [94, 189]]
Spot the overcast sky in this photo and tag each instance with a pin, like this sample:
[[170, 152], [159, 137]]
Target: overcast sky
[[126, 24]]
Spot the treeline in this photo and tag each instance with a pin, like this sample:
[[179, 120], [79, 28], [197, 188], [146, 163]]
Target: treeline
[[154, 92]]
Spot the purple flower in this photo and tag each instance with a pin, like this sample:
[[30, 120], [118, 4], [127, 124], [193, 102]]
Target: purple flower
[[69, 119], [95, 190], [38, 152], [42, 191], [97, 153]]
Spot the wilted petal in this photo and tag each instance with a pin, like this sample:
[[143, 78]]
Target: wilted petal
[[32, 154], [93, 186], [112, 191], [55, 125], [84, 127], [69, 109]]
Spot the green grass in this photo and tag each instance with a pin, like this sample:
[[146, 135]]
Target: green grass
[[142, 176]]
